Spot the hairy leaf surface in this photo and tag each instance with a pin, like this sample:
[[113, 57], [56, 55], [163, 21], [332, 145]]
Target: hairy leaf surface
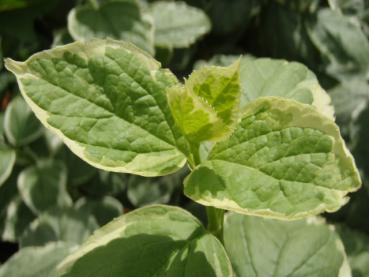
[[120, 20], [178, 25], [267, 247], [152, 241], [107, 101], [206, 107], [283, 160]]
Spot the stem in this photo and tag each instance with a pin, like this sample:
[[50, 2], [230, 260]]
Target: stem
[[215, 221], [215, 216]]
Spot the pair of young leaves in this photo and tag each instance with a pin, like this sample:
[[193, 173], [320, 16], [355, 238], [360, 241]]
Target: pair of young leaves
[[117, 109]]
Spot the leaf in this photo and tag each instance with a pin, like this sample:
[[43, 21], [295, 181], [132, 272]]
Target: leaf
[[273, 77], [146, 191], [206, 107], [121, 20], [284, 160], [72, 225], [79, 172], [35, 261], [117, 118], [348, 99], [104, 209], [292, 80], [18, 217], [232, 16], [342, 42], [44, 185], [178, 25], [357, 249], [156, 240], [20, 125], [7, 160], [290, 40], [266, 247]]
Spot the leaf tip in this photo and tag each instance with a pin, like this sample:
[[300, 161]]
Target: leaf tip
[[14, 66]]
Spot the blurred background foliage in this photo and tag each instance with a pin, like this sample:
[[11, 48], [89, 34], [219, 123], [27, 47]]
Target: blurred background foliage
[[51, 200]]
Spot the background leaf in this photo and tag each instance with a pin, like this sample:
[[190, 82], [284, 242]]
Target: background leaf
[[266, 247]]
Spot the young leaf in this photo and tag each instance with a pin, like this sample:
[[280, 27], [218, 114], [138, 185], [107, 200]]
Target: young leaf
[[152, 241], [44, 185], [20, 125], [106, 99], [272, 77], [35, 261], [284, 160], [266, 247], [206, 107], [70, 225], [120, 20], [7, 160], [178, 25]]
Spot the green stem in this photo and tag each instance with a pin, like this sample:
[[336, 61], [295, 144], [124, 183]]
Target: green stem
[[215, 216], [215, 221]]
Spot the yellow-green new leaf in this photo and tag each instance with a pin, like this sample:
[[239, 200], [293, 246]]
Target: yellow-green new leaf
[[284, 160], [267, 247], [151, 241], [206, 107], [107, 100]]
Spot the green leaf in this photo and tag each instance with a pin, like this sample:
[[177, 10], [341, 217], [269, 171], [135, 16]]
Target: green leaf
[[146, 191], [284, 160], [106, 99], [342, 42], [7, 160], [104, 209], [229, 16], [290, 40], [79, 172], [69, 224], [20, 125], [120, 20], [266, 247], [357, 249], [18, 217], [292, 80], [206, 107], [35, 261], [152, 241], [273, 77], [178, 25], [348, 99], [44, 185]]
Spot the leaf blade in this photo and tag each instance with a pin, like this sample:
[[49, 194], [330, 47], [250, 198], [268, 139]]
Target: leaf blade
[[284, 160], [108, 124]]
